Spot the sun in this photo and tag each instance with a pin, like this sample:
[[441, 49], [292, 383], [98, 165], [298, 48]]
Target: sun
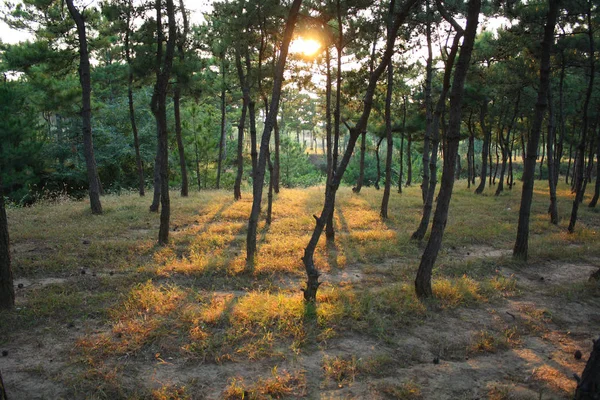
[[308, 47]]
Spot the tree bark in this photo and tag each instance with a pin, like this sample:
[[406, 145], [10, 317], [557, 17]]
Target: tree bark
[[409, 159], [7, 290], [522, 242], [312, 283], [581, 148], [390, 142], [361, 171], [329, 229], [486, 145], [419, 234], [428, 109], [505, 145], [86, 110], [259, 176], [378, 161], [401, 168], [553, 208], [588, 387], [423, 279], [176, 106], [223, 112], [136, 140], [594, 200], [159, 109], [237, 191]]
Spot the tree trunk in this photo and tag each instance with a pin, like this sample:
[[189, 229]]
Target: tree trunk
[[378, 161], [588, 387], [409, 159], [276, 163], [7, 290], [237, 191], [423, 279], [428, 108], [522, 242], [270, 194], [176, 106], [594, 200], [419, 234], [223, 138], [329, 230], [505, 145], [178, 136], [361, 171], [485, 150], [401, 172], [581, 148], [136, 140], [86, 110], [312, 283], [159, 109], [259, 175], [553, 208], [390, 142], [470, 151]]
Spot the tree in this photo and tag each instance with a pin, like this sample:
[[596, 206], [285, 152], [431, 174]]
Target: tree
[[452, 140], [86, 110], [7, 291], [259, 173], [159, 109], [522, 242], [312, 283], [580, 188]]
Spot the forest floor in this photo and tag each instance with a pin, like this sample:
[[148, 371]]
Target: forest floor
[[104, 313]]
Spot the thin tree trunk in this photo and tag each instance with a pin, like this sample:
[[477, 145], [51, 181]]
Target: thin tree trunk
[[7, 290], [409, 160], [569, 164], [179, 139], [176, 105], [276, 163], [361, 170], [312, 283], [419, 234], [594, 200], [581, 149], [428, 108], [237, 191], [542, 151], [390, 142], [486, 144], [329, 230], [270, 193], [259, 173], [423, 279], [378, 162], [136, 140], [401, 174], [223, 138], [86, 110], [159, 109], [470, 150], [506, 146], [522, 242], [553, 208]]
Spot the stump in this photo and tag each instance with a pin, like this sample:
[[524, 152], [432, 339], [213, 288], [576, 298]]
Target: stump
[[588, 387]]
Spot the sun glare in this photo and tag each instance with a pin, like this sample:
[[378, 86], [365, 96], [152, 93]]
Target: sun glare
[[307, 47]]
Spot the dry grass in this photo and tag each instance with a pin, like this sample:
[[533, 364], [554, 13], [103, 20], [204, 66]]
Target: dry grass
[[194, 302]]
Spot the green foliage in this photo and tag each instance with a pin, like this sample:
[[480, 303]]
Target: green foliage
[[296, 168]]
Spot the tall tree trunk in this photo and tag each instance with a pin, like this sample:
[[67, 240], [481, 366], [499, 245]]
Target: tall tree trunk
[[136, 140], [594, 200], [312, 283], [389, 141], [423, 279], [277, 157], [7, 290], [486, 145], [470, 151], [522, 242], [237, 191], [176, 105], [259, 176], [542, 155], [159, 109], [401, 173], [505, 144], [553, 208], [559, 147], [156, 180], [569, 164], [270, 193], [581, 148], [419, 234], [408, 159], [378, 162], [329, 230], [428, 108], [196, 151], [179, 139], [86, 110], [361, 165], [588, 387], [223, 112]]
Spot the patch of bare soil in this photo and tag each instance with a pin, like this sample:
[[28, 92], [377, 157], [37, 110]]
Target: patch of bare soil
[[519, 347]]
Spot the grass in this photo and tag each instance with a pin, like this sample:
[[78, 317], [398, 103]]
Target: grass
[[194, 301]]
